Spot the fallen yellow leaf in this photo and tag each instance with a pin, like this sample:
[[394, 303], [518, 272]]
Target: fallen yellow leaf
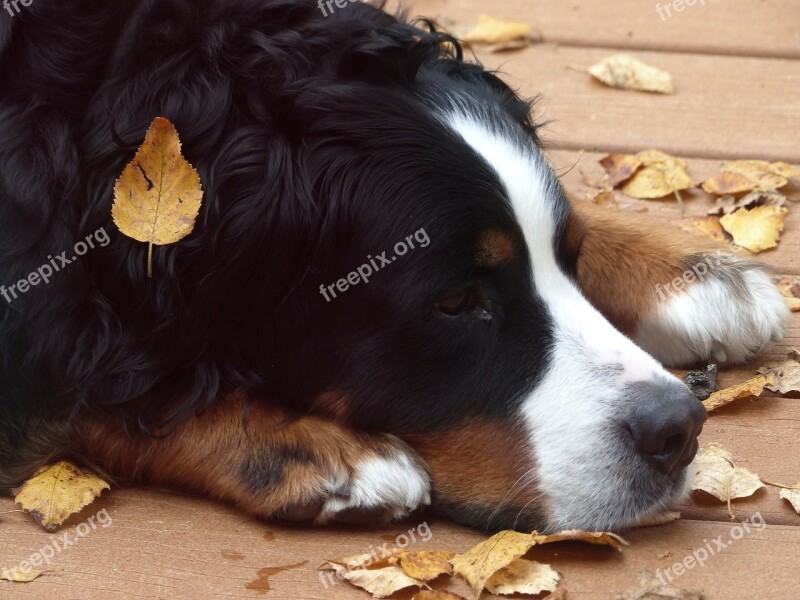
[[604, 197], [523, 577], [18, 575], [748, 175], [651, 588], [716, 474], [600, 538], [728, 204], [709, 227], [784, 375], [628, 73], [157, 198], [478, 564], [381, 582], [756, 230], [425, 565], [746, 389], [660, 175], [57, 491], [500, 35]]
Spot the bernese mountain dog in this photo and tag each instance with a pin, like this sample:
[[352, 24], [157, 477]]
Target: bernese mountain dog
[[387, 301]]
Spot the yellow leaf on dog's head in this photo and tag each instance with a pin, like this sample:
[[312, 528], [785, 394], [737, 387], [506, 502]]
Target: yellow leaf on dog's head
[[716, 474], [478, 564], [58, 491], [157, 198], [523, 577], [628, 73], [757, 229]]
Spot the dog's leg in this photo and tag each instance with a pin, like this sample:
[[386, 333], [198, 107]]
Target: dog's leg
[[680, 297], [301, 468]]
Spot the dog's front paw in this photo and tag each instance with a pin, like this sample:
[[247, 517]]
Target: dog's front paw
[[380, 489], [723, 309]]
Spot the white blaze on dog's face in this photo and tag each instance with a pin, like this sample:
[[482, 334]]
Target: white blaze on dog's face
[[611, 432]]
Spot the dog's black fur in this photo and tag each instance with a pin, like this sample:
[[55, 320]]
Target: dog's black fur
[[280, 110]]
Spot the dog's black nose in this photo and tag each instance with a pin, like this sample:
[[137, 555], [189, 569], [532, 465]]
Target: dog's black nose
[[664, 423]]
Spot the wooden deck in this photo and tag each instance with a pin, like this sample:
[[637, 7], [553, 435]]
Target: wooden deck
[[736, 66]]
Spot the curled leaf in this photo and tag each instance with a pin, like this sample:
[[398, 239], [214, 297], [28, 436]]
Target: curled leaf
[[747, 389], [628, 73], [379, 582], [748, 175], [18, 575]]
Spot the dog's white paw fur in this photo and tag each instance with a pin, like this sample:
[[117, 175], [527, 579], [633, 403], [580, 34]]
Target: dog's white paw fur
[[380, 488], [727, 313]]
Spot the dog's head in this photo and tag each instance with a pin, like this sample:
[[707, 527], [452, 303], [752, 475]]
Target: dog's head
[[441, 303], [381, 241]]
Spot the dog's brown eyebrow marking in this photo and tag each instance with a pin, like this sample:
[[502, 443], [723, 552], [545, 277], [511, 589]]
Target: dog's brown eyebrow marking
[[495, 248]]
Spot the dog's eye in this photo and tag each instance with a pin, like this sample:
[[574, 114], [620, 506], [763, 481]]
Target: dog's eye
[[468, 301]]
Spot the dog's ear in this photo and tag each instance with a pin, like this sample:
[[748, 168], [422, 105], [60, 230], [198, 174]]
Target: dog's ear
[[396, 53]]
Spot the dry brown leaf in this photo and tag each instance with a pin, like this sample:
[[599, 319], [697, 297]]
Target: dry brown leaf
[[604, 197], [601, 538], [380, 582], [746, 389], [498, 35], [748, 175], [620, 167], [57, 491], [18, 575], [628, 73], [478, 564], [523, 577], [659, 176], [756, 230], [425, 565], [715, 474], [436, 595], [709, 227], [728, 204], [157, 198], [784, 375], [651, 588]]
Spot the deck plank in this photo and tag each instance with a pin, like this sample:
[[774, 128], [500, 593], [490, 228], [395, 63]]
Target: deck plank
[[732, 27], [162, 545]]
